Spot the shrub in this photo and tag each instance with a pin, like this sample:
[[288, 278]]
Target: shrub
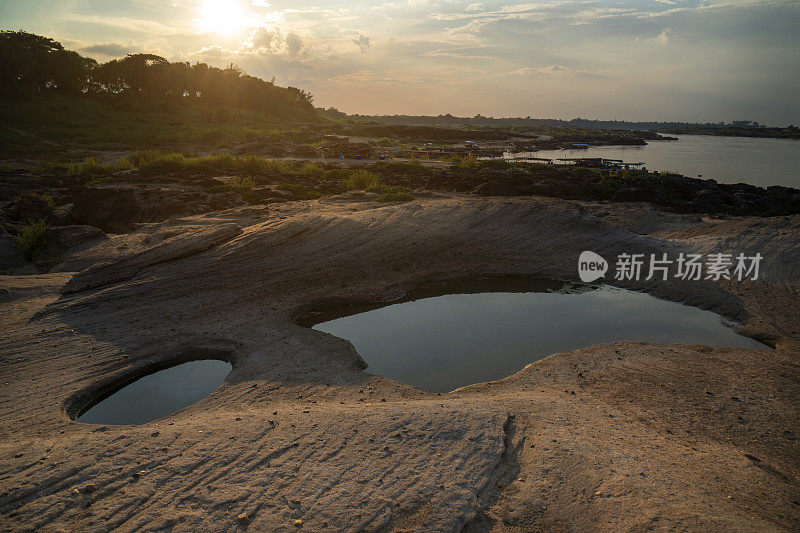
[[464, 162], [242, 185], [497, 164], [398, 195], [391, 193], [468, 162], [48, 200], [361, 179], [337, 174], [415, 167], [158, 161], [31, 238], [299, 191], [89, 167], [312, 169]]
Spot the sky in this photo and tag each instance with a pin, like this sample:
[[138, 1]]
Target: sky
[[671, 60]]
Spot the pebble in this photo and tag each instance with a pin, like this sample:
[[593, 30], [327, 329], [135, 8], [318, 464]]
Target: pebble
[[243, 518], [298, 523]]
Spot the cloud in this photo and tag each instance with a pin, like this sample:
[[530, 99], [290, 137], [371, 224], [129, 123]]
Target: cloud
[[271, 41], [550, 69], [107, 49], [457, 54], [521, 48], [124, 23], [362, 43], [661, 38], [294, 45], [263, 40]]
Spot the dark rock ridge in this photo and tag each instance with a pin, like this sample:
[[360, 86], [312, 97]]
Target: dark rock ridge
[[671, 191]]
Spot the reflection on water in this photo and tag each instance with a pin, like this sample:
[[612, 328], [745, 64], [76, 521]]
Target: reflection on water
[[761, 162], [159, 394], [440, 343]]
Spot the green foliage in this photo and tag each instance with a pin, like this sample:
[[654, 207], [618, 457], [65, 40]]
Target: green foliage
[[38, 127], [608, 187], [396, 196], [414, 168], [48, 200], [391, 193], [337, 174], [496, 164], [158, 161], [153, 161], [312, 169], [360, 179], [31, 238], [242, 185], [300, 192], [97, 181], [88, 168], [465, 161], [33, 64]]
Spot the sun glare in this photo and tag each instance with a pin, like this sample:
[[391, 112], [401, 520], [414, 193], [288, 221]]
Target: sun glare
[[222, 16]]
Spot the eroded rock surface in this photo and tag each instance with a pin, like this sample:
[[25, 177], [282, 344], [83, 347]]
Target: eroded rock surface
[[618, 436]]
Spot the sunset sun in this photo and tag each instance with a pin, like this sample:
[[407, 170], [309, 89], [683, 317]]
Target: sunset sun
[[221, 16]]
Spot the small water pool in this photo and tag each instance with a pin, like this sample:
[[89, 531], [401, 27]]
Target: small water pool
[[158, 394], [443, 342]]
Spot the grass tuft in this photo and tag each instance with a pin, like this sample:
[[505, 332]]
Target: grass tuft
[[361, 179], [464, 162], [48, 200], [300, 192], [158, 161], [31, 238], [312, 169]]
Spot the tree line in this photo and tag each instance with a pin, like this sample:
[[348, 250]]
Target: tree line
[[32, 65]]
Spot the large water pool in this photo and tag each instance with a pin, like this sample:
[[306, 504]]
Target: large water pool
[[442, 342]]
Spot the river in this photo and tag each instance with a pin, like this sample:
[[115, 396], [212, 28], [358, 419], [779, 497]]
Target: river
[[757, 161]]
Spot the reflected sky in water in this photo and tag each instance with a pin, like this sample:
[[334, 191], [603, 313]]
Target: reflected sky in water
[[761, 162], [439, 344], [159, 394]]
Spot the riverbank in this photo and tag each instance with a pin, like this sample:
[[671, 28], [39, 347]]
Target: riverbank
[[617, 436], [52, 212]]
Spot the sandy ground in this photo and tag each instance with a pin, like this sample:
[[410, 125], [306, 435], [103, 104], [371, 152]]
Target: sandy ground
[[624, 436]]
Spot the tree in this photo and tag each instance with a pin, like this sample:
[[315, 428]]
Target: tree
[[34, 64]]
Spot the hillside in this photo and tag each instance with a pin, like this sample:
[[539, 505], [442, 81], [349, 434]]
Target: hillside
[[53, 99]]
